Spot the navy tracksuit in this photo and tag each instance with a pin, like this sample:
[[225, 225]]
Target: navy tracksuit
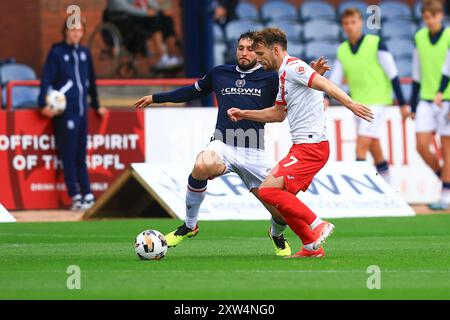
[[69, 69]]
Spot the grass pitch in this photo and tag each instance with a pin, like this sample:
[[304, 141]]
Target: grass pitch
[[227, 260]]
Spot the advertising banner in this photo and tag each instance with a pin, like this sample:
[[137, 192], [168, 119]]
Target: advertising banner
[[174, 134], [340, 189], [32, 176]]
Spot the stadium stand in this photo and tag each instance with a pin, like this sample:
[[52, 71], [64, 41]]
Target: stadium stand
[[404, 67], [277, 10], [293, 29], [235, 28], [315, 49], [398, 29], [393, 10], [296, 49], [247, 11], [316, 10], [401, 48], [417, 14], [219, 53], [22, 97], [321, 30], [218, 34], [361, 5]]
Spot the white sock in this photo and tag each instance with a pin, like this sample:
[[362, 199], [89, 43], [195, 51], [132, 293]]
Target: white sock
[[277, 228], [315, 223], [445, 195], [383, 170], [386, 176], [194, 198]]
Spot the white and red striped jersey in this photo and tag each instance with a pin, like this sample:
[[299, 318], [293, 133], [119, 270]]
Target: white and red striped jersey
[[304, 105]]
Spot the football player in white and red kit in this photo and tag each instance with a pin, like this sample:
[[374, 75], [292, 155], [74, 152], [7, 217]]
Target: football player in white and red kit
[[299, 98]]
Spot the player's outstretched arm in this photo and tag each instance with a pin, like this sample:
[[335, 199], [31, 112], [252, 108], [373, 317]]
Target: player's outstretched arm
[[323, 84], [144, 102], [182, 94], [272, 114]]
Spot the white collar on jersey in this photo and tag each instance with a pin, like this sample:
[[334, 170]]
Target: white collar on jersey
[[283, 64], [258, 66]]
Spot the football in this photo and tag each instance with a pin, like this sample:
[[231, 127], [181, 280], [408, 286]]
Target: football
[[57, 101], [150, 245]]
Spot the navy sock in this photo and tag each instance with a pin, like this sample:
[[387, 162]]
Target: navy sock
[[382, 166], [197, 184], [446, 185]]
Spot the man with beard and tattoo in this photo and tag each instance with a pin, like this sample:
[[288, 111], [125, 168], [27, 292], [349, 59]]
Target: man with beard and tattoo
[[235, 146]]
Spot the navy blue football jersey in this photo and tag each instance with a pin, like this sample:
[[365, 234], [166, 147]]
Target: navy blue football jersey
[[252, 89]]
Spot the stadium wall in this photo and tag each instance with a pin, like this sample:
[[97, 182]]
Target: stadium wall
[[28, 28]]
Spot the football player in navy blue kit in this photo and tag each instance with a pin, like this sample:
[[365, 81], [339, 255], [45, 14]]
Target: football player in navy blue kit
[[235, 146]]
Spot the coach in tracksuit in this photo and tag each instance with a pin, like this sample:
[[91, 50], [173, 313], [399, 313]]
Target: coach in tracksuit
[[69, 69]]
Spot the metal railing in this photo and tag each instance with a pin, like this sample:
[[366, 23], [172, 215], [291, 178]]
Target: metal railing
[[117, 82], [100, 83]]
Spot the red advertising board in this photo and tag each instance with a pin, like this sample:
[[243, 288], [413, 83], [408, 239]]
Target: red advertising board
[[31, 175]]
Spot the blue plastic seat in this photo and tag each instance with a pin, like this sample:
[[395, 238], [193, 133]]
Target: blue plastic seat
[[21, 96], [392, 10], [407, 90], [399, 29], [278, 10], [219, 53], [317, 10], [291, 28], [401, 48], [235, 28], [317, 49], [417, 11], [360, 5], [321, 30], [296, 49], [247, 11], [218, 33], [404, 67]]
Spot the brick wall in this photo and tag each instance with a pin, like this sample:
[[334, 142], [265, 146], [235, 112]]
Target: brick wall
[[28, 28], [18, 22]]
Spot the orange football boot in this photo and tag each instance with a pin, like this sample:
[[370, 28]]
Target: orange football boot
[[304, 253]]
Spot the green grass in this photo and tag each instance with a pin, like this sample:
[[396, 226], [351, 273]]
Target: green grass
[[227, 260]]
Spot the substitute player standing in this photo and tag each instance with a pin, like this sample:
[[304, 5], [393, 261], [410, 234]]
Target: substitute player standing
[[432, 44], [300, 98], [235, 147], [371, 73]]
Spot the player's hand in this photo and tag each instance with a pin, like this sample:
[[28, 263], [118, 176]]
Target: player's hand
[[326, 102], [438, 99], [235, 114], [143, 102], [320, 66], [102, 111], [404, 110], [48, 112], [361, 111]]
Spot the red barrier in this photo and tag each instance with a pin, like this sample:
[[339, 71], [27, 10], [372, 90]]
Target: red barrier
[[31, 172], [100, 83]]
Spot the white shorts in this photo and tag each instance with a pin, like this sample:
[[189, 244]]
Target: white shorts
[[371, 129], [432, 118], [250, 164]]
